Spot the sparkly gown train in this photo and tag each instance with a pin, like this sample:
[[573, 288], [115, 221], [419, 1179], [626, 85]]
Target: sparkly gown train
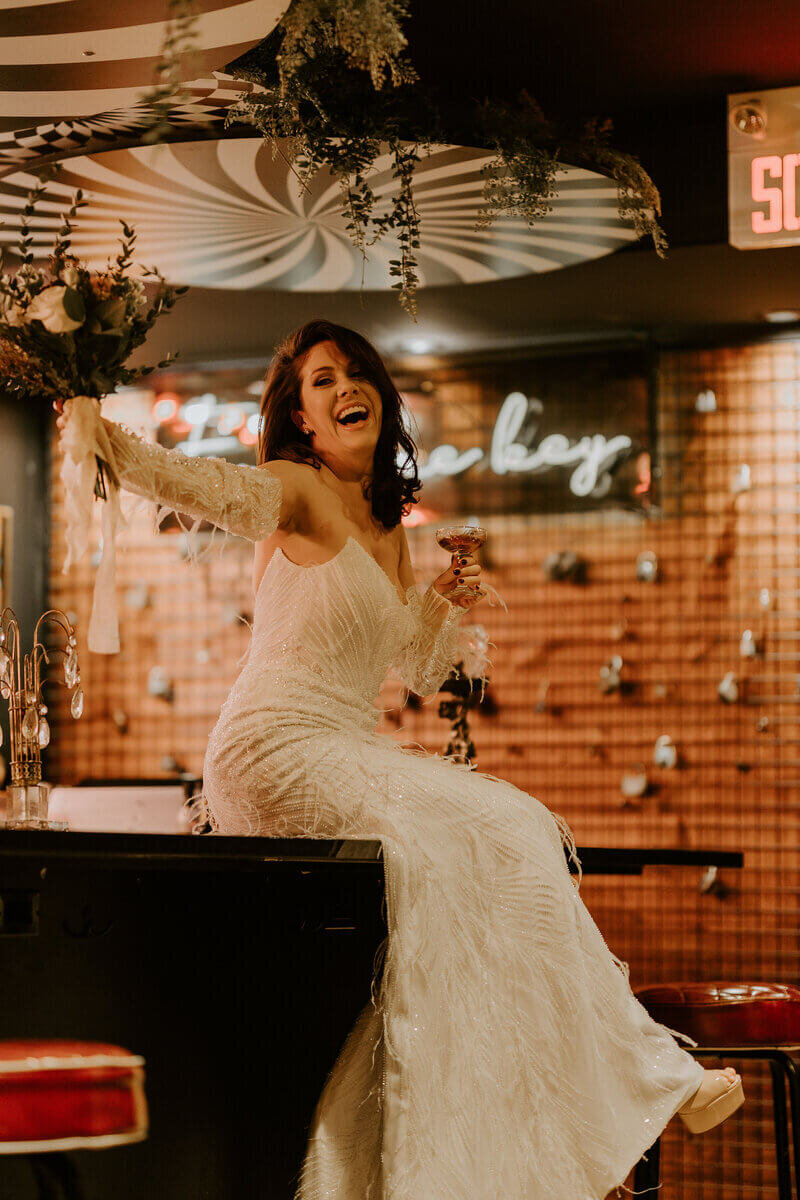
[[502, 1053]]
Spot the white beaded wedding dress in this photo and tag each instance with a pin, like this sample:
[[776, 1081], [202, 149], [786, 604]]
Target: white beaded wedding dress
[[502, 1055]]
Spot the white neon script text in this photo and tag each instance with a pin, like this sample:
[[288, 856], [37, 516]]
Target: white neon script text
[[592, 456]]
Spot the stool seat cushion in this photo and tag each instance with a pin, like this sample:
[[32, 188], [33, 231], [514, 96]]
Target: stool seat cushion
[[724, 1013], [60, 1094]]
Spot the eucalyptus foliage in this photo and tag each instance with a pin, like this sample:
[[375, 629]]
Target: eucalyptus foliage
[[175, 65]]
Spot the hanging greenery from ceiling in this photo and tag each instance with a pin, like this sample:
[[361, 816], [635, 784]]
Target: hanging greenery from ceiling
[[335, 88], [176, 65]]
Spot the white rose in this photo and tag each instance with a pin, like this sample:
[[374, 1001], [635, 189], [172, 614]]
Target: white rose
[[71, 276], [48, 307], [10, 313]]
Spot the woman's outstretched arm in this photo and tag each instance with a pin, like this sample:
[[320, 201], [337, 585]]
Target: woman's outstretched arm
[[251, 502]]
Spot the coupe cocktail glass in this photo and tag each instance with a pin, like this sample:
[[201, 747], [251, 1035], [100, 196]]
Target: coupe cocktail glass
[[461, 539]]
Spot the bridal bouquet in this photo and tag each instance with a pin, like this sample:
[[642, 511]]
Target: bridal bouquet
[[66, 330]]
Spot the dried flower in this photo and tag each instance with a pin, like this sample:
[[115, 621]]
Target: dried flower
[[70, 275], [10, 312], [50, 308], [102, 285]]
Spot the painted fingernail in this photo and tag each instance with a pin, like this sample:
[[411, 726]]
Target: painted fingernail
[[456, 571]]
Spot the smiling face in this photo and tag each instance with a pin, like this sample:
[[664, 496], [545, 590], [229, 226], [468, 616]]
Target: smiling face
[[340, 407]]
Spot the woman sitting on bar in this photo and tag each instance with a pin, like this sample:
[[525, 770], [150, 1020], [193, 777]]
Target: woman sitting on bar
[[502, 1053]]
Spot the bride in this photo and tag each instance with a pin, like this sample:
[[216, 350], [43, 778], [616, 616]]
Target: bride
[[502, 1052]]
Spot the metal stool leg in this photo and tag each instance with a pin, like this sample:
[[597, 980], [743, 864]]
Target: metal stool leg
[[781, 1138], [793, 1077], [647, 1175], [47, 1188], [56, 1177]]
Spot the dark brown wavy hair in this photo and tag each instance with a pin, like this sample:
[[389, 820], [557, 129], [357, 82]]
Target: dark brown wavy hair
[[395, 478]]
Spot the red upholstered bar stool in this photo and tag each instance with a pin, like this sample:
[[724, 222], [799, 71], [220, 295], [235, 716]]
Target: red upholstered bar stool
[[737, 1020], [58, 1095]]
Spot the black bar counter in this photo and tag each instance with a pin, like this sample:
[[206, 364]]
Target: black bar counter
[[236, 966], [209, 852]]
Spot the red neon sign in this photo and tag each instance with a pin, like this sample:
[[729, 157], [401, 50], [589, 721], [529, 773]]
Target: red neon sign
[[780, 196]]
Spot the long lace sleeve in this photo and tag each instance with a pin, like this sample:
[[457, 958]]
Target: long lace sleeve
[[428, 658], [240, 499]]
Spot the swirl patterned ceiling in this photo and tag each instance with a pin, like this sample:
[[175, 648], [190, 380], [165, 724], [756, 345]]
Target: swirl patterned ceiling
[[228, 214], [71, 58]]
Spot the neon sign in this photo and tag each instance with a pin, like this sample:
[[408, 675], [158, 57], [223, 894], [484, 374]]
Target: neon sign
[[763, 168], [592, 458], [781, 198], [511, 449], [233, 425]]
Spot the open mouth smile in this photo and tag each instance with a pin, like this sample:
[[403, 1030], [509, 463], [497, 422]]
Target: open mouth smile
[[354, 414]]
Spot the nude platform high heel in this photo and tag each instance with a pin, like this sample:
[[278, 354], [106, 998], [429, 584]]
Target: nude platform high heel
[[702, 1117]]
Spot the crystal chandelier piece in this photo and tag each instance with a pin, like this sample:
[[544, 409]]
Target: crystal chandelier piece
[[21, 682]]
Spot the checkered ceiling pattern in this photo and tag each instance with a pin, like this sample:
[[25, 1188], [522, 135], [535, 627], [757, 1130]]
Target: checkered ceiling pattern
[[202, 109], [74, 58]]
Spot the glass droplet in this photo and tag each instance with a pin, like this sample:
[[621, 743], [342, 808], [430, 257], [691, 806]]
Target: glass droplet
[[44, 733], [76, 704], [30, 724], [5, 667], [1, 735], [71, 674], [42, 709]]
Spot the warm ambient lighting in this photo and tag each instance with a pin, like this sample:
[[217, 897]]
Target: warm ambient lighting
[[231, 419], [199, 409], [231, 424], [165, 406], [782, 316], [420, 515], [419, 345], [643, 474], [248, 434]]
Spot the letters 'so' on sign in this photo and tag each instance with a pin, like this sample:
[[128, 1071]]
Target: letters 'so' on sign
[[764, 168]]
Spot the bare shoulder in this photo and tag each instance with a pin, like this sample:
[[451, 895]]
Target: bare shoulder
[[289, 471], [298, 482]]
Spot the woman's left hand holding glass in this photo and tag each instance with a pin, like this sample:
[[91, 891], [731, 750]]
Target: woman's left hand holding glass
[[463, 569]]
